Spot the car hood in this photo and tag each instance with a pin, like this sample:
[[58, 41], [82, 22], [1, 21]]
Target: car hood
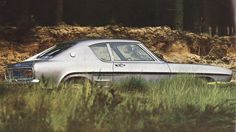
[[198, 69]]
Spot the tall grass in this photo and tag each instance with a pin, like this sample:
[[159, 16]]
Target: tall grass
[[180, 104]]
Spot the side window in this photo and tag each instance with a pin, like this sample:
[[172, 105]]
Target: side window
[[101, 51], [129, 52]]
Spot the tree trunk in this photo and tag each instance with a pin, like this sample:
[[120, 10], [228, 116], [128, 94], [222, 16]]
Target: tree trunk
[[24, 14], [58, 12], [197, 18], [179, 14], [157, 11], [24, 23]]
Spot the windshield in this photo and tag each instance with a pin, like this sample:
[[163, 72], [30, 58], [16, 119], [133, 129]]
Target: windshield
[[57, 50]]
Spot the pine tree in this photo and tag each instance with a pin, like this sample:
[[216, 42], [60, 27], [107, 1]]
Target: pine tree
[[58, 12]]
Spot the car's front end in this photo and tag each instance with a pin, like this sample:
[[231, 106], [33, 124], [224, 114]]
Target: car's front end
[[211, 73]]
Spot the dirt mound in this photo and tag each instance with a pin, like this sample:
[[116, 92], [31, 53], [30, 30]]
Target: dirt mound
[[176, 46]]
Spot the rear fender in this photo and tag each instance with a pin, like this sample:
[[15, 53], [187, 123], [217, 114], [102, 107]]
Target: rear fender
[[76, 75]]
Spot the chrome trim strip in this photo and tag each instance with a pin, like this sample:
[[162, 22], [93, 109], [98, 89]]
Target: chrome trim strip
[[162, 73], [110, 52]]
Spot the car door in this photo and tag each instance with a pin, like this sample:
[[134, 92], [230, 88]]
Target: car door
[[133, 60], [102, 67]]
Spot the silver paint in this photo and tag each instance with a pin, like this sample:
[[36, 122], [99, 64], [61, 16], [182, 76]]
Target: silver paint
[[80, 61]]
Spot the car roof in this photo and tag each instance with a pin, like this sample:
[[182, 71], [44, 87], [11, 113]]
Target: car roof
[[89, 42]]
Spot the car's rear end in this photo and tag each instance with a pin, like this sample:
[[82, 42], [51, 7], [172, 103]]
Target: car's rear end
[[20, 73]]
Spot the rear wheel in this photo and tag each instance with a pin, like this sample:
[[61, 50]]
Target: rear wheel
[[78, 83]]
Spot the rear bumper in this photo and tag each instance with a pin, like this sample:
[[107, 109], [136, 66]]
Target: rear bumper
[[14, 81]]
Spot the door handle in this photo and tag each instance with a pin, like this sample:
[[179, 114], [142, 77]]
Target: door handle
[[120, 65]]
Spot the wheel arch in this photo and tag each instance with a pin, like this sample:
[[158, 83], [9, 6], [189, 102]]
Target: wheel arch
[[75, 76], [207, 78]]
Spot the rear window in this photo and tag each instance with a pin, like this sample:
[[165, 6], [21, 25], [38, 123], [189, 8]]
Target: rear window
[[57, 50], [101, 51]]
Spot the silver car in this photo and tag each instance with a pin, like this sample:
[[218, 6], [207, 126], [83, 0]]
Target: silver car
[[105, 60]]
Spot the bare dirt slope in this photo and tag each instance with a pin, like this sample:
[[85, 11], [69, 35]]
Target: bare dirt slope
[[176, 46]]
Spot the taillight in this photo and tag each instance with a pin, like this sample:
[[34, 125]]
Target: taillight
[[28, 73], [19, 74]]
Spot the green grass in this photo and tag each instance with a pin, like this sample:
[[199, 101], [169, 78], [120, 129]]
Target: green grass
[[180, 104]]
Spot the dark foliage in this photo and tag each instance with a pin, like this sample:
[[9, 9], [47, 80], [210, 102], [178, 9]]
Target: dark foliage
[[194, 15]]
